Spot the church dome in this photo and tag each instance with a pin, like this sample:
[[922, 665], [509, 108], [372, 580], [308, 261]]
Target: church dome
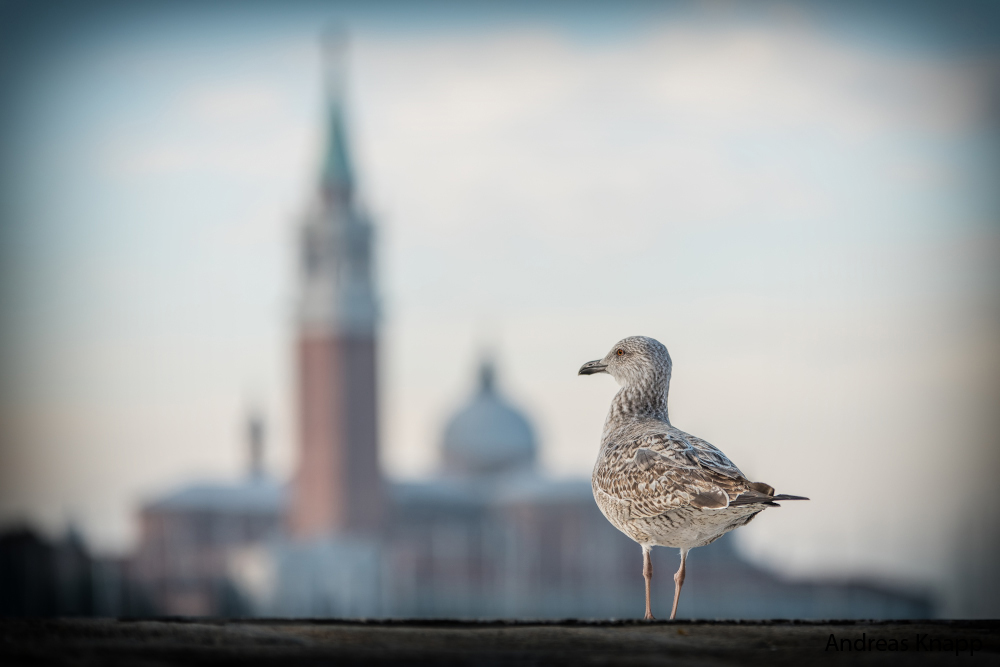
[[488, 435]]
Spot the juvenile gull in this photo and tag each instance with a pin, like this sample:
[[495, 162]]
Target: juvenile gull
[[655, 483]]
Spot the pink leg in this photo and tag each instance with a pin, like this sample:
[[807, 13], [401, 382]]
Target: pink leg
[[678, 582], [647, 574]]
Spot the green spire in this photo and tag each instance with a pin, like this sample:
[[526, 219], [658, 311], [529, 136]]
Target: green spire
[[336, 165], [337, 170]]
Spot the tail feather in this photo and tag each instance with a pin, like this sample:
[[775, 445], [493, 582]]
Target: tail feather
[[762, 494]]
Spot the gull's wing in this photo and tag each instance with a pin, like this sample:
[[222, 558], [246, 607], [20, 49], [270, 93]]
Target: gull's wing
[[660, 472], [758, 493], [709, 455]]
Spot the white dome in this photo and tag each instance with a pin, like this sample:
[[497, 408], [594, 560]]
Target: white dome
[[488, 435]]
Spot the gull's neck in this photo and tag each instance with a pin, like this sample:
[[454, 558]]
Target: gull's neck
[[642, 399]]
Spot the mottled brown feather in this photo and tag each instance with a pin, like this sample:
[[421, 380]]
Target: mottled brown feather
[[666, 470]]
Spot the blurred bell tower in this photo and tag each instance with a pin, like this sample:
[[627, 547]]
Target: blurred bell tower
[[338, 486]]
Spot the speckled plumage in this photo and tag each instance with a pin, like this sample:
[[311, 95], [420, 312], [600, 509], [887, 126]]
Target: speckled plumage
[[655, 483]]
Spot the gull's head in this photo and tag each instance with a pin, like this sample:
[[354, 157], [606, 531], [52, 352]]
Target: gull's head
[[633, 360]]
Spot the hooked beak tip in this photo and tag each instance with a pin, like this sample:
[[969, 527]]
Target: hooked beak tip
[[592, 367]]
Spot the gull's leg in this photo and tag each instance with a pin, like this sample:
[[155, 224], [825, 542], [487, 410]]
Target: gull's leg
[[647, 574], [678, 582]]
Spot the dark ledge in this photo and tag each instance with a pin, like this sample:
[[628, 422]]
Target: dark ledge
[[177, 641]]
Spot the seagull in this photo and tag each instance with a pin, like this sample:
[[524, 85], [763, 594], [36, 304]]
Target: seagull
[[656, 483]]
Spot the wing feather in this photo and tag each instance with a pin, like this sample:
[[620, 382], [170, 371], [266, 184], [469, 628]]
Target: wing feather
[[661, 472]]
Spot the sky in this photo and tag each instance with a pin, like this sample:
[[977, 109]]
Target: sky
[[797, 199]]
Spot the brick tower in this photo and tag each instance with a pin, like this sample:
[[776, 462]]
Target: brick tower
[[338, 485]]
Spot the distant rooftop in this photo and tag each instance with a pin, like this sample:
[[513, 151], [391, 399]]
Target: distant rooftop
[[261, 494]]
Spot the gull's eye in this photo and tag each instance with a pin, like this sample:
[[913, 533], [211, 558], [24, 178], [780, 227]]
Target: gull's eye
[[620, 352]]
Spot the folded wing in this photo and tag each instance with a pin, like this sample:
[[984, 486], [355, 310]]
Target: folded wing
[[662, 472], [666, 472]]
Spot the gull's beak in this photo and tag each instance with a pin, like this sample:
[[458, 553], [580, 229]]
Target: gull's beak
[[591, 367]]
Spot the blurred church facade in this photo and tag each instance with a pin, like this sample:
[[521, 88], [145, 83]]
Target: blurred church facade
[[489, 536]]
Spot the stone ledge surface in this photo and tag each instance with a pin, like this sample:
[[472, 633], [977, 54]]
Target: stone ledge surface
[[166, 642]]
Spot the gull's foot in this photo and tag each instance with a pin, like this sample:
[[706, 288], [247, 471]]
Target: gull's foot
[[648, 617]]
